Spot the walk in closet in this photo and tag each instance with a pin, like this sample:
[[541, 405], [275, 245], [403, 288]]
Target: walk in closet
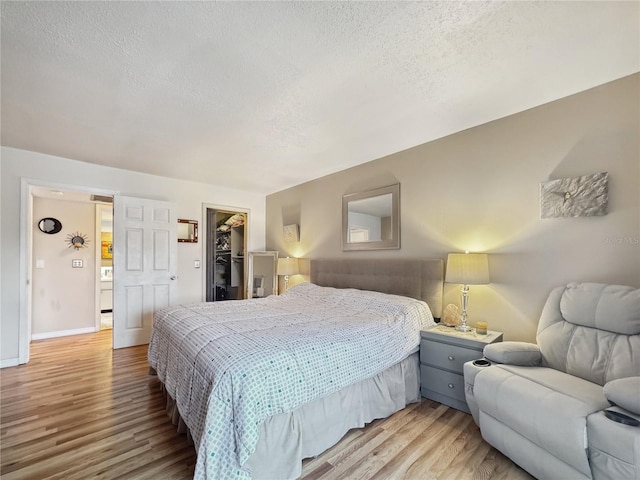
[[226, 246]]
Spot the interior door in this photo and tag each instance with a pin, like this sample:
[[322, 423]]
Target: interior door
[[144, 266]]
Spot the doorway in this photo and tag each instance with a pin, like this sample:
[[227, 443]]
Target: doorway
[[60, 295], [226, 252], [104, 232]]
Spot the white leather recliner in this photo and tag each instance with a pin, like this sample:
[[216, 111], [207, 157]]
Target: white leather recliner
[[545, 405]]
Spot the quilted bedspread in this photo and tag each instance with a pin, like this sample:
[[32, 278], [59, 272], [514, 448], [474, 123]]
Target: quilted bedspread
[[230, 365]]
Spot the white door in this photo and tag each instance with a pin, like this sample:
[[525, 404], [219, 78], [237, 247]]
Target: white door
[[144, 266]]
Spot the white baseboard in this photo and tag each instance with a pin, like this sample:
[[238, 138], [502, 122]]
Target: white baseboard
[[8, 362], [63, 333]]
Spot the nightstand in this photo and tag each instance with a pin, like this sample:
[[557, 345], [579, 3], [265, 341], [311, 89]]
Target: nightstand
[[443, 352]]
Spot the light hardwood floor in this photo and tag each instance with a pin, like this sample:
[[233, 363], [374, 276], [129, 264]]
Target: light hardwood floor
[[79, 410]]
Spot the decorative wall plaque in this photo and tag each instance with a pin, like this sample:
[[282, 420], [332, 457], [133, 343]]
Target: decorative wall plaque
[[77, 240], [291, 233], [574, 196]]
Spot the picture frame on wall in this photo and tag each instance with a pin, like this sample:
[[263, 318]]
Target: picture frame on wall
[[584, 196], [107, 250]]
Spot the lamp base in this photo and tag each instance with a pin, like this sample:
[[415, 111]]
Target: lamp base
[[464, 328]]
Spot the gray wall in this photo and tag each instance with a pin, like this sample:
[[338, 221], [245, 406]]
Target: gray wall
[[478, 190]]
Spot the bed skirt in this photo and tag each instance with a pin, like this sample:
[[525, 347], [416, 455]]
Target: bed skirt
[[287, 438]]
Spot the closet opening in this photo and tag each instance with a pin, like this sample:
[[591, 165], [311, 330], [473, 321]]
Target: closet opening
[[226, 252]]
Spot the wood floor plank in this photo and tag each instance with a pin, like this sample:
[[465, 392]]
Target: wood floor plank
[[432, 442], [80, 410]]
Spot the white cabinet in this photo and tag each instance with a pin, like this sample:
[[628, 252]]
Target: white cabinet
[[106, 296]]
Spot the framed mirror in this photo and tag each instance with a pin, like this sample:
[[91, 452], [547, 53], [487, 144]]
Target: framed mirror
[[371, 220], [262, 273], [187, 231], [50, 225]]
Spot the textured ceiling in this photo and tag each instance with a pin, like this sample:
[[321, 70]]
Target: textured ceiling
[[261, 96]]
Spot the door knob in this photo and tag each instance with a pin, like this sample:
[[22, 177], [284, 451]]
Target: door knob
[[172, 277]]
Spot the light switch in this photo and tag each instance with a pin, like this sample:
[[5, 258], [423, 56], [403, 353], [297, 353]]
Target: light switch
[[76, 263], [196, 264], [39, 263]]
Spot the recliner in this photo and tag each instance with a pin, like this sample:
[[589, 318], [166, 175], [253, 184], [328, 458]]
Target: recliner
[[543, 404]]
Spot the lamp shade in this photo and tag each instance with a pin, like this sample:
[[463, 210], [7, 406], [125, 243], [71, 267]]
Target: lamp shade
[[288, 266], [467, 268]]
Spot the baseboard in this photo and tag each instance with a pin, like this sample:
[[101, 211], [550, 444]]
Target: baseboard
[[9, 362], [63, 333]]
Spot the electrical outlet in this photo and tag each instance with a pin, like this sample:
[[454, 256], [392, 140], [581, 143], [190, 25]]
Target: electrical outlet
[[77, 263]]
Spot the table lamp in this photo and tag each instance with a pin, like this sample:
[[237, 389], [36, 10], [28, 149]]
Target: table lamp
[[287, 266], [467, 269]]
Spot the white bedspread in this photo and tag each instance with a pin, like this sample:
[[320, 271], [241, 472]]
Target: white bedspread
[[230, 365]]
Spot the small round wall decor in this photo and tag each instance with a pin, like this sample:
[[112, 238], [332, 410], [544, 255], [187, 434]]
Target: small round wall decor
[[77, 240], [50, 225]]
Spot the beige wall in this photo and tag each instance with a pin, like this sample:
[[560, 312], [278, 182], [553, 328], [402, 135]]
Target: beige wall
[[478, 190], [63, 297]]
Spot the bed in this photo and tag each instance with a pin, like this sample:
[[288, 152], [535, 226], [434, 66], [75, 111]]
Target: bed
[[261, 384]]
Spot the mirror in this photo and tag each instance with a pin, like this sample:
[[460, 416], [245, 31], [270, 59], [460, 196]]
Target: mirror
[[371, 220], [50, 225], [263, 280], [187, 231]]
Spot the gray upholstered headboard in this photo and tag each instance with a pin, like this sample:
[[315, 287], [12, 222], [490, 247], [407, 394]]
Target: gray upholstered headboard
[[421, 279]]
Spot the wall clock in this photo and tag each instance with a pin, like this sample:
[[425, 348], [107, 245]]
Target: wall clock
[[574, 196]]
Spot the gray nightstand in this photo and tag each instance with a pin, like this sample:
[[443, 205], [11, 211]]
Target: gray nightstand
[[443, 352]]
